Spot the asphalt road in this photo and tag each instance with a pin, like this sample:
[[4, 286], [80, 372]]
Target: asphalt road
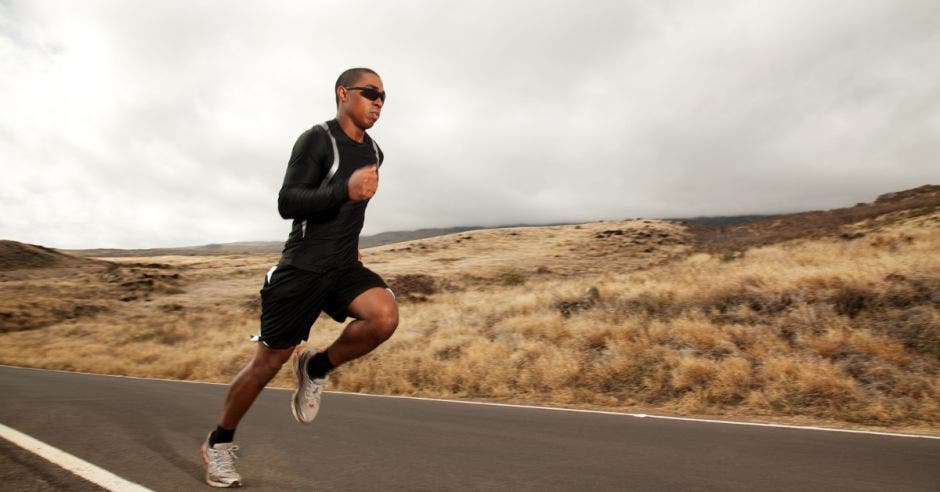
[[149, 432]]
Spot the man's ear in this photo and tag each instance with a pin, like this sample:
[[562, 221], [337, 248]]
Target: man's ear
[[341, 93]]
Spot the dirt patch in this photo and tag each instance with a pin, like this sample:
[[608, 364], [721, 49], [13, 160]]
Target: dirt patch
[[413, 287]]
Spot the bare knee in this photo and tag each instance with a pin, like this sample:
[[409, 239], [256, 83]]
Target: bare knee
[[269, 361], [378, 314], [384, 322]]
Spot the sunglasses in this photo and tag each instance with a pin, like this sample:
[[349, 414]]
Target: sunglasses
[[368, 93]]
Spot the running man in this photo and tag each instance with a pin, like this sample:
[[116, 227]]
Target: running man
[[331, 175]]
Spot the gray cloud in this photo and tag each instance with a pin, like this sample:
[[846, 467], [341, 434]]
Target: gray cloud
[[135, 124]]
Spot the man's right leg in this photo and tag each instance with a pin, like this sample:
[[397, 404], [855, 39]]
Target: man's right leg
[[218, 451], [250, 381]]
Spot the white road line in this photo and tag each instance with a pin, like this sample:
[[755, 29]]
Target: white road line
[[84, 469], [644, 415], [533, 407]]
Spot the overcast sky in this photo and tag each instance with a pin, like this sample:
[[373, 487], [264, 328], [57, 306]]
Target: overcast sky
[[169, 123]]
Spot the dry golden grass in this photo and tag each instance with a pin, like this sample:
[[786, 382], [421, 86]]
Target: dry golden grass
[[537, 251], [830, 330]]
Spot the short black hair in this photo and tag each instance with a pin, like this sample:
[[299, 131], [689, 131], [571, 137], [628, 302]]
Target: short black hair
[[350, 77]]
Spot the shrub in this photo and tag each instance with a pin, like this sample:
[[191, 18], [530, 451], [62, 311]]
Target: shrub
[[512, 277], [731, 255], [916, 329], [413, 287]]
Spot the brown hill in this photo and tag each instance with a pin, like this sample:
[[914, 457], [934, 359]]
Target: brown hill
[[20, 256], [260, 247], [816, 224], [40, 286]]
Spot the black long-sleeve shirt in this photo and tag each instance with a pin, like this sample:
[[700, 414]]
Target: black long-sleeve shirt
[[325, 231]]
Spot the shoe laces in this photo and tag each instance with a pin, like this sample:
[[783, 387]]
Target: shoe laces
[[313, 390], [224, 460]]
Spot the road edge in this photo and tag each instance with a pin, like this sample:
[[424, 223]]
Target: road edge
[[92, 473], [529, 407]]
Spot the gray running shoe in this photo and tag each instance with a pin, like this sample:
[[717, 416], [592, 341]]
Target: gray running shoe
[[220, 464], [305, 402]]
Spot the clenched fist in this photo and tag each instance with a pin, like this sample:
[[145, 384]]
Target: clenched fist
[[363, 183]]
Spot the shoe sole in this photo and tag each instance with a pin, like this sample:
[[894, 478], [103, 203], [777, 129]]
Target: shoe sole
[[205, 462]]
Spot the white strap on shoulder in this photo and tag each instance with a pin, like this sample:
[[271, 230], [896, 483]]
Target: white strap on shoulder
[[375, 148], [335, 166]]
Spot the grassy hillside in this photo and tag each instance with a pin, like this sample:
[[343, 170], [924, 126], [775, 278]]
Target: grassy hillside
[[835, 329], [838, 325]]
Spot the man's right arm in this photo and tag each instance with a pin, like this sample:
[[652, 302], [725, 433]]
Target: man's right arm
[[301, 195]]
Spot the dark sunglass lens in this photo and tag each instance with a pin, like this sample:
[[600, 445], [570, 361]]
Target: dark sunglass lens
[[372, 94], [368, 93]]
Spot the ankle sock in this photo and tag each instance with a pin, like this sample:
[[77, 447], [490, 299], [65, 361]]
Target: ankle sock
[[319, 365], [220, 435]]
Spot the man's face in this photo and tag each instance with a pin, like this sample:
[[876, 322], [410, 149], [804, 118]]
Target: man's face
[[358, 107]]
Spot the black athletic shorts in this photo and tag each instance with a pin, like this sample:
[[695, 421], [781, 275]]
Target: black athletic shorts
[[292, 299]]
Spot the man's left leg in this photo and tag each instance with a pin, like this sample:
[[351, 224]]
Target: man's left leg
[[376, 314]]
